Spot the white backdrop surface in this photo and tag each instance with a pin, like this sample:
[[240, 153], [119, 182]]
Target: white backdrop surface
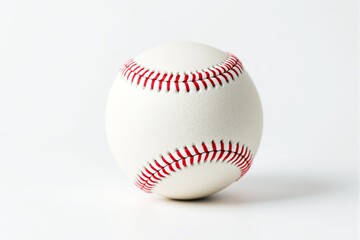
[[58, 179]]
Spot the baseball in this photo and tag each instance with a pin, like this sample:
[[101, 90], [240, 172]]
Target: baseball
[[184, 120]]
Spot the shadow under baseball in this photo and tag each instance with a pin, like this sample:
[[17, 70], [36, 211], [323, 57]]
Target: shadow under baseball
[[268, 188]]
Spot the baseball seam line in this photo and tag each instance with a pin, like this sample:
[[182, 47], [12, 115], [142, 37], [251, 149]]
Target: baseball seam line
[[235, 154], [215, 75]]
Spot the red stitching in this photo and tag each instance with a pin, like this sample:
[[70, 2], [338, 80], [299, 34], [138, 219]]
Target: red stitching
[[214, 76], [154, 172]]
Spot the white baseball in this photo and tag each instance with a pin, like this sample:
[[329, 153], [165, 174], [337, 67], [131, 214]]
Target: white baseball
[[184, 120]]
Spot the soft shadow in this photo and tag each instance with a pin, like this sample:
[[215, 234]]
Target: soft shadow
[[268, 188]]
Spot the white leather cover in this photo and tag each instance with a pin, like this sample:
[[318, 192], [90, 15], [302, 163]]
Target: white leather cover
[[142, 123]]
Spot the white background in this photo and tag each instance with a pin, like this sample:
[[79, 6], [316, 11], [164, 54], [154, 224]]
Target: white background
[[58, 179]]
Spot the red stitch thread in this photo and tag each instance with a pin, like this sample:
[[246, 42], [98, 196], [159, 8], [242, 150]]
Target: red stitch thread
[[213, 76], [151, 175]]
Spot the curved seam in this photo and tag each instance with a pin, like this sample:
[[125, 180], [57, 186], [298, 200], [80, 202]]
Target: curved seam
[[155, 172], [213, 76]]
